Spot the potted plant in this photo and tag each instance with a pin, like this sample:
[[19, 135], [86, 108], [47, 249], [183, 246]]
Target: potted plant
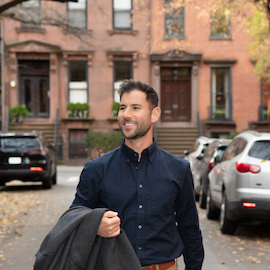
[[115, 109], [85, 108], [78, 109], [71, 109], [19, 112], [220, 113]]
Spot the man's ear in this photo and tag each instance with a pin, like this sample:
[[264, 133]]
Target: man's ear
[[155, 114]]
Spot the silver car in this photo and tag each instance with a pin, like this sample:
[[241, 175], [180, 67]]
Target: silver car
[[239, 186], [194, 156]]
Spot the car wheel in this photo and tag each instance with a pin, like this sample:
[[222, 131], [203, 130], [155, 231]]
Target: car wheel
[[54, 179], [47, 183], [226, 225], [212, 212], [202, 198]]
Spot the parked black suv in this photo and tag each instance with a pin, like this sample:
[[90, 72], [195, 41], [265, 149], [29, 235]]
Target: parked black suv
[[27, 157]]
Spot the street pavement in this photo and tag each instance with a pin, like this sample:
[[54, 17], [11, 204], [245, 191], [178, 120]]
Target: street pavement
[[39, 210]]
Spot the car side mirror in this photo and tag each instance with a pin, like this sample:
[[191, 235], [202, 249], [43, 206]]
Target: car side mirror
[[200, 157], [186, 152]]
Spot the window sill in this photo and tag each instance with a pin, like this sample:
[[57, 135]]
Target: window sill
[[31, 30], [220, 38], [225, 122], [89, 119], [175, 37], [122, 32]]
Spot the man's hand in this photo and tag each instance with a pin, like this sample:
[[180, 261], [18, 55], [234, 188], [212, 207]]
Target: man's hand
[[109, 225]]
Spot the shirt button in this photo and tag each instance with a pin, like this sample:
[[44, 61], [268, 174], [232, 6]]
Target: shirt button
[[140, 185], [140, 206], [140, 227], [139, 248], [135, 154]]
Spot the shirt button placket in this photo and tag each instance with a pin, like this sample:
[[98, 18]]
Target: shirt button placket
[[140, 168]]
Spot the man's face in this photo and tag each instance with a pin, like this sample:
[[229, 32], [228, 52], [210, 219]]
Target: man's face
[[134, 116]]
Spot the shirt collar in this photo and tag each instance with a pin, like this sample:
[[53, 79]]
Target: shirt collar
[[131, 155]]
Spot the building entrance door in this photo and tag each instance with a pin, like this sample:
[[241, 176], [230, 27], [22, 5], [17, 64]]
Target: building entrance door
[[35, 95], [175, 95]]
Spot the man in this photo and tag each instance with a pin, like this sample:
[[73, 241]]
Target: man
[[148, 190]]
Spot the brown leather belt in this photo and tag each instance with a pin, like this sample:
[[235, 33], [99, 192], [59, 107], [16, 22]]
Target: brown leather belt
[[161, 266]]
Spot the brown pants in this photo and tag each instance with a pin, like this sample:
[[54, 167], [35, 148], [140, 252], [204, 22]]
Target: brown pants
[[173, 267]]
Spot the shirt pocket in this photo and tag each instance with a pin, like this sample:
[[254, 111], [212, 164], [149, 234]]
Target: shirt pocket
[[163, 197]]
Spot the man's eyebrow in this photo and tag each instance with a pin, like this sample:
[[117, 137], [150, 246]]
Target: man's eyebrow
[[135, 104]]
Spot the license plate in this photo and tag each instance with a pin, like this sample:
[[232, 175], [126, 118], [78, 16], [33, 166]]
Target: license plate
[[15, 160]]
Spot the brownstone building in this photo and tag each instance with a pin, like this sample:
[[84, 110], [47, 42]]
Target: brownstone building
[[202, 72]]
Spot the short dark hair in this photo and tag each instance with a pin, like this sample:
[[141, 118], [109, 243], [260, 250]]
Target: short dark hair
[[129, 85]]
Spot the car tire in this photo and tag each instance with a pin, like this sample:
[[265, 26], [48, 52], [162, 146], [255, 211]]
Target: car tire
[[54, 179], [202, 198], [226, 225], [212, 212], [47, 183]]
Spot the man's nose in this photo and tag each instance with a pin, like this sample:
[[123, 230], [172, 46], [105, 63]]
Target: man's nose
[[127, 113]]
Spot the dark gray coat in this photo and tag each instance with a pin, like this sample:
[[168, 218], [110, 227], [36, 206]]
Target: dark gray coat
[[73, 244]]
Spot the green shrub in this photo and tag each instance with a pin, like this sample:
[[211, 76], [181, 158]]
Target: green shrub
[[85, 106], [78, 106], [116, 106], [71, 106], [19, 110], [231, 136], [104, 142]]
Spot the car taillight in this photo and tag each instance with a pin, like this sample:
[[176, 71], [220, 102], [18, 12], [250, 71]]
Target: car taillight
[[39, 169], [211, 165], [34, 152], [249, 204], [245, 167]]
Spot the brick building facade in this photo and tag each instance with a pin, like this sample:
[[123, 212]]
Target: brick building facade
[[197, 70]]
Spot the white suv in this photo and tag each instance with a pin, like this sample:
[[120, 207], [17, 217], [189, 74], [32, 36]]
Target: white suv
[[239, 186]]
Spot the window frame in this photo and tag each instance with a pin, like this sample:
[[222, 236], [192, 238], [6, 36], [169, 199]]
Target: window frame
[[85, 14], [114, 72], [221, 36], [113, 17], [30, 25], [86, 77], [212, 117], [166, 16]]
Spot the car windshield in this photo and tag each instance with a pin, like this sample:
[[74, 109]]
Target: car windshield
[[14, 144], [260, 149]]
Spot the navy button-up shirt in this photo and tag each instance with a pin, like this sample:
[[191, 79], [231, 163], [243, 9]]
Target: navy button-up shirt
[[154, 198]]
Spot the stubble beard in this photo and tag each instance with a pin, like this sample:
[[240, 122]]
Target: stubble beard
[[140, 131]]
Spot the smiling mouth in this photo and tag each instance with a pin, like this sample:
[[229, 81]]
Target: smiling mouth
[[129, 124]]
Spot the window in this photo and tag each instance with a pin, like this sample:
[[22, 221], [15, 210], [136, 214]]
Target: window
[[77, 14], [235, 148], [122, 71], [260, 149], [174, 19], [77, 143], [78, 82], [220, 94], [31, 10], [122, 14], [220, 25]]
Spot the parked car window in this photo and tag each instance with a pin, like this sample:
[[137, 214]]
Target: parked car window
[[235, 148], [260, 149], [240, 147], [17, 144], [219, 153]]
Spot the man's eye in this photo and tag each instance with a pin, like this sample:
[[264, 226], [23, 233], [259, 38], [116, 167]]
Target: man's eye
[[122, 108]]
